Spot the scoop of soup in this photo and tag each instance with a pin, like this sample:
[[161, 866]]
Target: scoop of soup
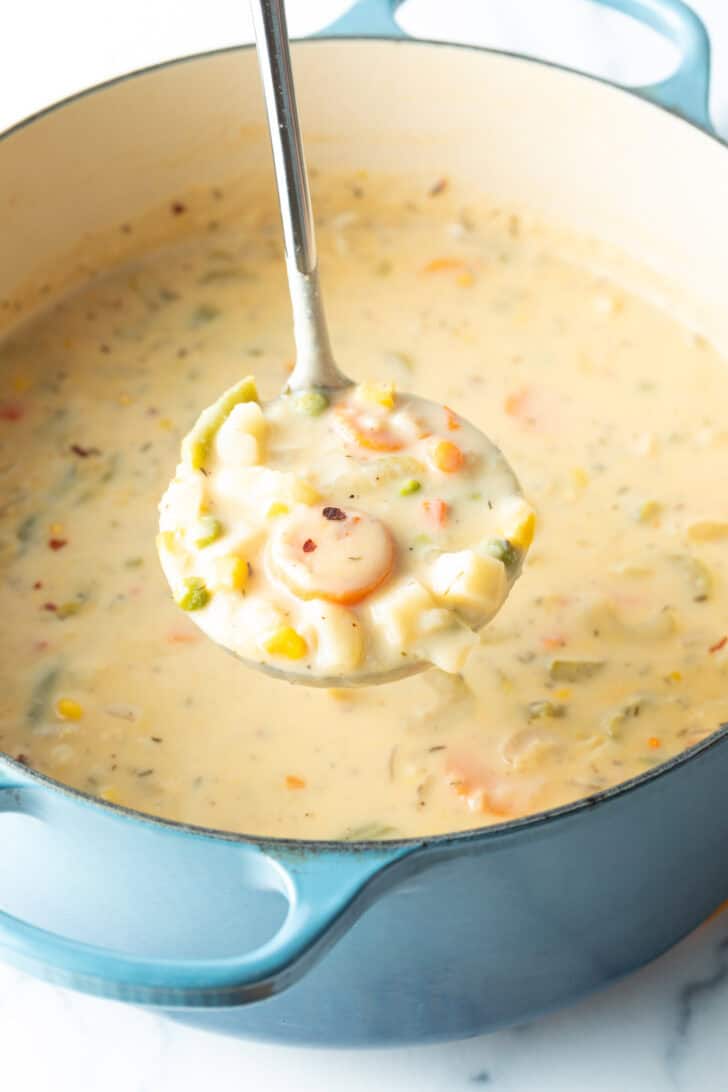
[[610, 654], [341, 535]]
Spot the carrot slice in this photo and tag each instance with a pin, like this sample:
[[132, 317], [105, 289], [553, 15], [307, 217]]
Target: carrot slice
[[372, 438], [436, 511], [447, 456], [444, 265]]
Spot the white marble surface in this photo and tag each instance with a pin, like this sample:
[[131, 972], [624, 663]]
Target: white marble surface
[[665, 1029]]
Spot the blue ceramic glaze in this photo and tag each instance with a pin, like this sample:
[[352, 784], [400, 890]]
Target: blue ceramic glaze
[[422, 940], [685, 92]]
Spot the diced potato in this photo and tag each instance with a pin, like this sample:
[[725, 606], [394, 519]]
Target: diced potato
[[376, 394], [240, 439], [339, 639], [472, 582], [184, 500], [450, 647], [399, 612]]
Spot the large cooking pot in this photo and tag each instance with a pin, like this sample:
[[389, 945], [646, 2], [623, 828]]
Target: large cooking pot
[[417, 939]]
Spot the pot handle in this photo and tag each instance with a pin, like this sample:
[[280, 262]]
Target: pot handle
[[323, 893], [685, 92]]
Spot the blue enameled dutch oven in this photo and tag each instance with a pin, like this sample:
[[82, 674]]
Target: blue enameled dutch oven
[[413, 940]]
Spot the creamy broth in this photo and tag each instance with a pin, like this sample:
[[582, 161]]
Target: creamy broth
[[610, 654]]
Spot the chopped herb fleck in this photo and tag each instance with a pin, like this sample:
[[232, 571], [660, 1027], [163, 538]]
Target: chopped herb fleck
[[84, 452]]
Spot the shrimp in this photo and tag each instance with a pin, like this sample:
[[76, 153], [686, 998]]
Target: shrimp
[[327, 553]]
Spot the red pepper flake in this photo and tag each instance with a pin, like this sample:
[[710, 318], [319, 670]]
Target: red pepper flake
[[178, 207], [309, 546], [333, 513], [439, 187], [50, 606], [719, 645], [57, 543], [11, 411], [38, 584], [22, 759], [84, 452]]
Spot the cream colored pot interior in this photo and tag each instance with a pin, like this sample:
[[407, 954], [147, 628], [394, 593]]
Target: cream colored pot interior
[[582, 153]]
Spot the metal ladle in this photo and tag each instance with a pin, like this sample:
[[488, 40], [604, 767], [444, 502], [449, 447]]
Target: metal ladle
[[315, 365]]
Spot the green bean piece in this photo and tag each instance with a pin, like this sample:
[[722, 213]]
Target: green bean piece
[[697, 574], [574, 670], [504, 551], [367, 832], [539, 709], [40, 695]]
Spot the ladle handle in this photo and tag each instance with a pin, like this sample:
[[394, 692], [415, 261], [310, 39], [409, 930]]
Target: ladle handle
[[315, 366]]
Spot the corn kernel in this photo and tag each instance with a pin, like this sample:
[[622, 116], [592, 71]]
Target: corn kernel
[[232, 573], [579, 477], [56, 530], [277, 508], [68, 709], [522, 534], [649, 511], [110, 795], [166, 423], [293, 782], [166, 540], [378, 394], [305, 493], [675, 676], [20, 384], [465, 279], [286, 642], [124, 400], [341, 693], [562, 694]]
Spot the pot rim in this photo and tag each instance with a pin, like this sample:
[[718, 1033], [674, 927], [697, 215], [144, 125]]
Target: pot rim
[[456, 839]]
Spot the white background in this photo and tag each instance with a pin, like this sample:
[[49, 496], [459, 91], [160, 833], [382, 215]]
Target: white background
[[665, 1028]]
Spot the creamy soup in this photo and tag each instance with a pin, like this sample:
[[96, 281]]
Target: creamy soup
[[346, 535], [609, 655]]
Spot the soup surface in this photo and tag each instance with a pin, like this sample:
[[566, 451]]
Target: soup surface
[[610, 654]]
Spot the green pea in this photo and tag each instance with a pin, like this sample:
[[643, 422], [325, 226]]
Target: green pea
[[410, 486], [311, 403], [206, 530], [195, 596]]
